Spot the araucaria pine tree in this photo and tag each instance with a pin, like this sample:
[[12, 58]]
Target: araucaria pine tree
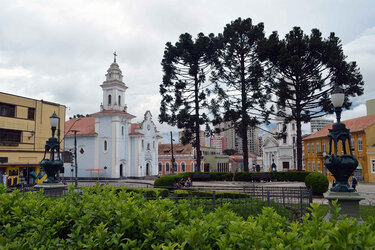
[[306, 70], [239, 76], [184, 89]]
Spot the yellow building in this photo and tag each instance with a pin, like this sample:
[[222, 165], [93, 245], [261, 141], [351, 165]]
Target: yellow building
[[24, 129], [362, 131]]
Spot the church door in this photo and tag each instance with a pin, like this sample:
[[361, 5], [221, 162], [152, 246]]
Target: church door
[[147, 169]]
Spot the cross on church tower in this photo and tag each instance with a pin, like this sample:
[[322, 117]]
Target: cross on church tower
[[114, 54]]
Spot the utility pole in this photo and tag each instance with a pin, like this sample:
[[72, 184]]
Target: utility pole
[[75, 158], [172, 159]]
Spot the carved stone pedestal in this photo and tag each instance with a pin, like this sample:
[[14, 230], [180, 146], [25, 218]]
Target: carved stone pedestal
[[52, 189], [348, 201]]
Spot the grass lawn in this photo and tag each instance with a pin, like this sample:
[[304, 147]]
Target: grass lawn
[[365, 210]]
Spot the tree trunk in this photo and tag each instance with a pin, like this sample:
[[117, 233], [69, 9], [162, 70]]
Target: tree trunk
[[299, 141], [197, 138], [244, 122]]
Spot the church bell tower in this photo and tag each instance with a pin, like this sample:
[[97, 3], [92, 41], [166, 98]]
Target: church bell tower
[[113, 89]]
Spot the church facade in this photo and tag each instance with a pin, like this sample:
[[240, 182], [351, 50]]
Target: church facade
[[109, 145], [281, 151]]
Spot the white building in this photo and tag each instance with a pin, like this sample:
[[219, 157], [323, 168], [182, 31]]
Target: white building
[[282, 151], [317, 124], [234, 141], [108, 144]]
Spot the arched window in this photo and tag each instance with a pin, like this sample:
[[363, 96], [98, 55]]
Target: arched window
[[160, 166], [183, 167], [109, 99], [148, 146], [119, 100], [105, 145], [167, 167]]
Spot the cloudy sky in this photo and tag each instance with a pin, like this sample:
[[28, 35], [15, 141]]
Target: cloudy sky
[[60, 50]]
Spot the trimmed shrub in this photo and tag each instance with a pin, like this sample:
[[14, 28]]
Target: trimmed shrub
[[220, 176], [231, 195], [165, 181], [242, 176], [297, 175], [180, 193], [318, 182], [100, 218]]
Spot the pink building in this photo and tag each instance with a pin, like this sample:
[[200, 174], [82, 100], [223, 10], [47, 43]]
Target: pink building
[[218, 142]]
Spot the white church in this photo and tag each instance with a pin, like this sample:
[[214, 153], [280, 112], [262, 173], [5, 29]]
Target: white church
[[281, 151], [109, 145]]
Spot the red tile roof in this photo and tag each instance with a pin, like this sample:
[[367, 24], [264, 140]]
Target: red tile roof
[[355, 125], [84, 125], [133, 128], [178, 149]]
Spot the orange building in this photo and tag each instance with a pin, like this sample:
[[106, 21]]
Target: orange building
[[362, 131]]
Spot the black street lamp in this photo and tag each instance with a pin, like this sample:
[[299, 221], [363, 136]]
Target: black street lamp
[[341, 166], [173, 160], [52, 165]]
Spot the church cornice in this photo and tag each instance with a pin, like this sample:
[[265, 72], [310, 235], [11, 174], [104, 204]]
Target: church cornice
[[113, 113], [114, 83]]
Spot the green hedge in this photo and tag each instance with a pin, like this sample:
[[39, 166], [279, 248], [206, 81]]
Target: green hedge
[[318, 182], [219, 176], [242, 176], [106, 219], [170, 180]]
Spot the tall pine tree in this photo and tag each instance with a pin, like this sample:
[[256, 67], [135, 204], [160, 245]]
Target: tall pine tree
[[184, 89], [306, 68], [239, 76]]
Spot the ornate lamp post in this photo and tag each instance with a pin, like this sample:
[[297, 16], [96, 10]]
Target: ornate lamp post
[[341, 166], [52, 165]]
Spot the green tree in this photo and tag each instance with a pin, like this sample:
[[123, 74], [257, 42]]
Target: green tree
[[184, 90], [306, 68], [229, 151], [239, 76]]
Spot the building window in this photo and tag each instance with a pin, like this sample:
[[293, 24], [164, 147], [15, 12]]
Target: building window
[[142, 144], [119, 100], [8, 110], [317, 148], [294, 139], [313, 166], [293, 126], [167, 167], [175, 166], [160, 166], [10, 137], [318, 166], [31, 114], [352, 143], [153, 144], [373, 166], [183, 167], [148, 146], [122, 130], [324, 147], [109, 99], [312, 147], [308, 148], [359, 144], [284, 139], [105, 145], [308, 166], [192, 167]]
